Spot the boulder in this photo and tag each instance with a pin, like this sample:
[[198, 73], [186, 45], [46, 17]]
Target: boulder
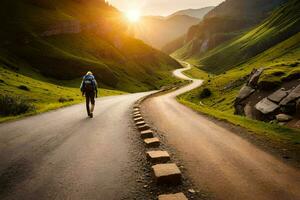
[[254, 77], [278, 95], [245, 92], [266, 106], [283, 118], [293, 96]]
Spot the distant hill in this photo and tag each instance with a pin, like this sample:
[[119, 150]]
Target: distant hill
[[158, 31], [224, 22], [277, 37], [197, 13], [63, 39]]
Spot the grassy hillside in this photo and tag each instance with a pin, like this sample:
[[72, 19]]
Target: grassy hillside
[[226, 21], [277, 41], [118, 60], [39, 93], [47, 46], [284, 23]]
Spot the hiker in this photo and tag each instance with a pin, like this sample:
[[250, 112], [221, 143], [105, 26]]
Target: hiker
[[89, 89]]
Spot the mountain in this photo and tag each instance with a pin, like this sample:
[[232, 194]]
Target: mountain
[[226, 21], [196, 13], [282, 26], [158, 31], [273, 46], [62, 39]]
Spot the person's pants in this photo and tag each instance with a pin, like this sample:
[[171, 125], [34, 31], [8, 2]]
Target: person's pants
[[90, 98]]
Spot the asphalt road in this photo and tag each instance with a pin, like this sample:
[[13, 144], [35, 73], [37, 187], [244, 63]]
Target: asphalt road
[[65, 155], [216, 159]]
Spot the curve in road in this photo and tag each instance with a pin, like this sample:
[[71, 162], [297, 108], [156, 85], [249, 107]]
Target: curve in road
[[217, 159]]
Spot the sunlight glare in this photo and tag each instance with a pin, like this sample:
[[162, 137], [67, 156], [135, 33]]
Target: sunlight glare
[[133, 15]]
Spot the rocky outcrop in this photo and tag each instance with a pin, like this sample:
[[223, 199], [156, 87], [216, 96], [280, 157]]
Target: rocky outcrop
[[282, 105], [246, 91]]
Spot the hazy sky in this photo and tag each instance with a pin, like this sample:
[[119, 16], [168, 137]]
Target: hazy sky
[[161, 7]]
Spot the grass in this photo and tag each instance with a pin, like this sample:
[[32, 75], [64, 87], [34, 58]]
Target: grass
[[233, 60], [276, 133], [118, 60], [42, 94], [282, 25]]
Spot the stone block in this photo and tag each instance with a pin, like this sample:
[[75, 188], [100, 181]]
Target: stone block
[[278, 95], [147, 134], [158, 156], [177, 196], [140, 123], [143, 127], [266, 106], [167, 174], [152, 142]]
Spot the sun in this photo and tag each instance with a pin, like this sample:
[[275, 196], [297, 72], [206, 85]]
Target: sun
[[133, 15]]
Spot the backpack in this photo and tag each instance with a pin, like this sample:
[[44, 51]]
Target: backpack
[[89, 84]]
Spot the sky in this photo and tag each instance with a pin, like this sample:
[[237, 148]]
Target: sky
[[161, 7]]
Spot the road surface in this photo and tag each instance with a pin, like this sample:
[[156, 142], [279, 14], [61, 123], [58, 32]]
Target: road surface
[[65, 155], [216, 159]]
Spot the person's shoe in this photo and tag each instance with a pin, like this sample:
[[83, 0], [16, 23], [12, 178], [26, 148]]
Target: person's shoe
[[91, 115]]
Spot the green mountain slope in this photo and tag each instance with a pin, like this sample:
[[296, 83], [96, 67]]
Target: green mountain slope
[[47, 46], [224, 22], [282, 24], [274, 45], [64, 39]]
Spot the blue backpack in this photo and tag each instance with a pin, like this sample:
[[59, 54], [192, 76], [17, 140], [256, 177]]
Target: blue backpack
[[88, 83]]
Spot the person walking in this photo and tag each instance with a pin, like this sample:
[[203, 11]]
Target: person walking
[[89, 89]]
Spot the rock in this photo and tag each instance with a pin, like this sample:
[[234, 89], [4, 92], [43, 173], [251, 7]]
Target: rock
[[254, 77], [278, 95], [266, 106], [167, 174], [158, 156], [138, 119], [143, 127], [192, 191], [140, 123], [293, 96], [147, 134], [177, 196], [283, 118], [239, 109], [137, 115], [245, 92], [136, 110], [152, 142]]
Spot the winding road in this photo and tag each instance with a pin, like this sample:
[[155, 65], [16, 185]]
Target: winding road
[[64, 155], [216, 159]]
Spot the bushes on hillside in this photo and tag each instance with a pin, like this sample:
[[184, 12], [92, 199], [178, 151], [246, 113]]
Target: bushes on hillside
[[205, 93], [23, 87], [10, 105]]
